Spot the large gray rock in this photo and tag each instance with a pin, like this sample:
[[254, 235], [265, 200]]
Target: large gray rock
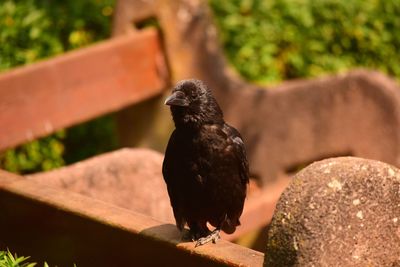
[[338, 212]]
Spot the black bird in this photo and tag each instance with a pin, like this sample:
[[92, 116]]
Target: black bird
[[205, 165]]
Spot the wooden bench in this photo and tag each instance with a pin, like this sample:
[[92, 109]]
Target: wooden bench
[[134, 69], [63, 227], [295, 123], [41, 98]]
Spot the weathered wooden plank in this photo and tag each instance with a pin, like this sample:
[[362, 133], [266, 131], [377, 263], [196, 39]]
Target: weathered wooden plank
[[64, 228], [38, 99]]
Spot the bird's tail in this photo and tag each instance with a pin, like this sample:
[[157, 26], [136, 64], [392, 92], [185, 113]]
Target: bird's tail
[[229, 226]]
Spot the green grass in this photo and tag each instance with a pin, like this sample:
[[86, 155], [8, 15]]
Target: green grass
[[7, 259]]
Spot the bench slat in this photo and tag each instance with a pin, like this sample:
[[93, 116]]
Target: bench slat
[[37, 99], [68, 228]]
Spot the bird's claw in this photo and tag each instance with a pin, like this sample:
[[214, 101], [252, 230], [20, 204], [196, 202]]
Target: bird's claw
[[213, 237]]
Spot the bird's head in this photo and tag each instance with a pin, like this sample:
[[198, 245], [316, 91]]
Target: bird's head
[[192, 105]]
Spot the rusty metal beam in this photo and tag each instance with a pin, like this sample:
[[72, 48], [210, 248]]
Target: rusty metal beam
[[38, 99]]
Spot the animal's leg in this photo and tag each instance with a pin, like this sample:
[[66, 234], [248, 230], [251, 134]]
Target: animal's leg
[[198, 230], [213, 236]]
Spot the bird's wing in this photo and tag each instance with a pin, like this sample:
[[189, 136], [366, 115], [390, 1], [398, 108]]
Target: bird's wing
[[169, 168], [240, 152]]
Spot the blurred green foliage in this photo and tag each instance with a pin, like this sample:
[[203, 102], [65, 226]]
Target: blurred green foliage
[[32, 30], [274, 40], [35, 29], [42, 154]]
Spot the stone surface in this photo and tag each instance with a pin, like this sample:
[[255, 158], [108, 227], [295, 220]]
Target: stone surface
[[338, 212], [129, 178]]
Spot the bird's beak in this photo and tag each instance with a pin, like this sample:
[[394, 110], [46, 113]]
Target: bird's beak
[[177, 99]]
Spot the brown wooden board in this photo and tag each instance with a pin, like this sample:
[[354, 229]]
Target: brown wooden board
[[37, 99], [63, 228]]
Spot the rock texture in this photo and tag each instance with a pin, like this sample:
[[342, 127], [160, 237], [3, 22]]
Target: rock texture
[[129, 178], [338, 212]]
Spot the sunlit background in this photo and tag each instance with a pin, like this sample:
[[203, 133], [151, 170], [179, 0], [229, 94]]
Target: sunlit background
[[266, 41]]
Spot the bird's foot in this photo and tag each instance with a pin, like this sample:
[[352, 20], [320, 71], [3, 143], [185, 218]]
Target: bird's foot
[[213, 236], [194, 235]]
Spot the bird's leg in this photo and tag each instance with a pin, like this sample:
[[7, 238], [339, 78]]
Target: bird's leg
[[198, 230], [213, 236]]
